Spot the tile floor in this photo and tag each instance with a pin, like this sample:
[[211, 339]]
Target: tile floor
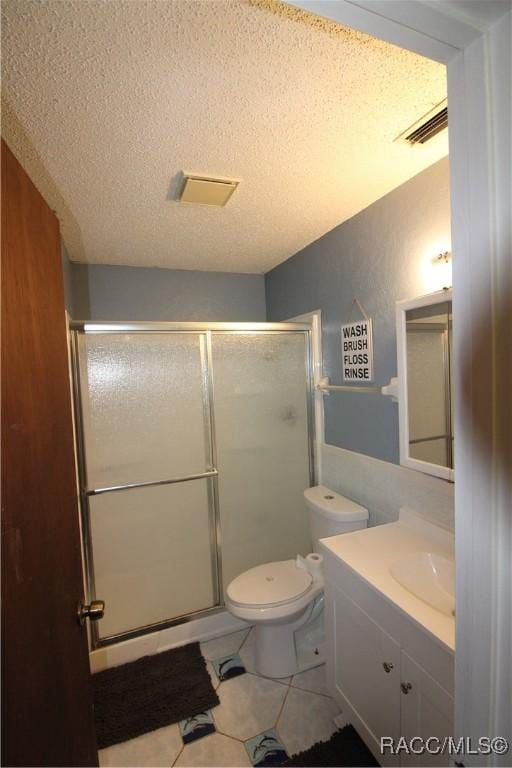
[[290, 714]]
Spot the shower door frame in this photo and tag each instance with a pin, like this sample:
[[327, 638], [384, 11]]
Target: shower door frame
[[203, 330]]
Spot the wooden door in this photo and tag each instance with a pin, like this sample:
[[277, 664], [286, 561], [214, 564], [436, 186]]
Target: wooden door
[[47, 714]]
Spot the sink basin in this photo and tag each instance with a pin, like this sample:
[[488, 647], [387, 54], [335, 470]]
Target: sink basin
[[428, 576]]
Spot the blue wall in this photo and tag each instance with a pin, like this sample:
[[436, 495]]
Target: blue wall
[[381, 255], [100, 292], [67, 277]]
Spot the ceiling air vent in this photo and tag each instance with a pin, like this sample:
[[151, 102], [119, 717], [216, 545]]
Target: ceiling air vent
[[207, 190], [428, 126]]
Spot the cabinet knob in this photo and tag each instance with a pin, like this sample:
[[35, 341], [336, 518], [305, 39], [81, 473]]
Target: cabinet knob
[[388, 666], [406, 687]]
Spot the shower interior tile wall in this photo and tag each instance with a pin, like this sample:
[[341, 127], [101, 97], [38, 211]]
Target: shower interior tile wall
[[383, 487]]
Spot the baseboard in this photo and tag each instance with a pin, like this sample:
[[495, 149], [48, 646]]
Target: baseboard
[[201, 629]]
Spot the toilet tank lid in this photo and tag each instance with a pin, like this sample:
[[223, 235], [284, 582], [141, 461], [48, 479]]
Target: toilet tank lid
[[333, 505]]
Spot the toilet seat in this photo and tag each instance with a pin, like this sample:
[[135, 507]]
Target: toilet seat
[[269, 585]]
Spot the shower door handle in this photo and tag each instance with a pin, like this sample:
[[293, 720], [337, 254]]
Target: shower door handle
[[94, 611]]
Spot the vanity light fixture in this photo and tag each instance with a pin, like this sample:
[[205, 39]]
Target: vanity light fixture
[[443, 261]]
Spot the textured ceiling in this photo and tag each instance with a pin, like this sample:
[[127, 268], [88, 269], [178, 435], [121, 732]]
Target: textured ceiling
[[108, 101]]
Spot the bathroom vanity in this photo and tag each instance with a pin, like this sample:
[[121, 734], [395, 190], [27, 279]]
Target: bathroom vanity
[[390, 632]]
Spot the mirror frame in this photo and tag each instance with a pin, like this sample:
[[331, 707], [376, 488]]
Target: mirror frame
[[439, 297]]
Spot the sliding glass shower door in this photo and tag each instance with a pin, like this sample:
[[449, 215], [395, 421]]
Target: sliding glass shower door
[[147, 469], [194, 451], [261, 422]]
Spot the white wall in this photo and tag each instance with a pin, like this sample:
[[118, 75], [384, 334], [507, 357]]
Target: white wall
[[383, 487]]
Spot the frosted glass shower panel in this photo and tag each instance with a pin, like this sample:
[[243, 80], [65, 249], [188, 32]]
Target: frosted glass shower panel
[[261, 420], [152, 554], [143, 407]]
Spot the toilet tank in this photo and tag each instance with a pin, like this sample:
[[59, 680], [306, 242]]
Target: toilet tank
[[330, 513]]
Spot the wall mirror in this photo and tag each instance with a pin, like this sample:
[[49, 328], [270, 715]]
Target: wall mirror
[[425, 391]]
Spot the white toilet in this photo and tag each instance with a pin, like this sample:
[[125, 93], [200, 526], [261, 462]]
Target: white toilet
[[280, 598]]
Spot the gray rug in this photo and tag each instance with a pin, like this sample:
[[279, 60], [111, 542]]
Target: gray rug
[[150, 693], [344, 748]]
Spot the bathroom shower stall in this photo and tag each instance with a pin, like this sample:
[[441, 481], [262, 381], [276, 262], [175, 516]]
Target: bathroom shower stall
[[195, 443]]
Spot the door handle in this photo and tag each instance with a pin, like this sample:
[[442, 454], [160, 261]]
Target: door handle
[[94, 611]]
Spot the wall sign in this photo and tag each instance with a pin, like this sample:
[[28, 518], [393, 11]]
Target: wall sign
[[357, 351]]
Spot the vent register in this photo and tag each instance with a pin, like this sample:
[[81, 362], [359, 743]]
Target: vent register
[[428, 126], [207, 190], [217, 190]]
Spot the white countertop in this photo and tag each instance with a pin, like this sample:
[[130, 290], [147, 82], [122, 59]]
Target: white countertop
[[370, 552]]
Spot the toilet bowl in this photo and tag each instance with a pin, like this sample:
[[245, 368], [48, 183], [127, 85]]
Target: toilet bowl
[[277, 598], [281, 597]]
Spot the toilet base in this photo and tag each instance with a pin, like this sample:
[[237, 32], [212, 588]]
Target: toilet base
[[283, 650], [275, 654], [310, 644]]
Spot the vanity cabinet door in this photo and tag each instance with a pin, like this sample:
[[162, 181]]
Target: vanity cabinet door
[[367, 672], [426, 711]]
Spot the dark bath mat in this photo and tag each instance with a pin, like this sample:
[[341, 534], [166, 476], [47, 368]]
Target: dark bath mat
[[344, 748], [150, 693]]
